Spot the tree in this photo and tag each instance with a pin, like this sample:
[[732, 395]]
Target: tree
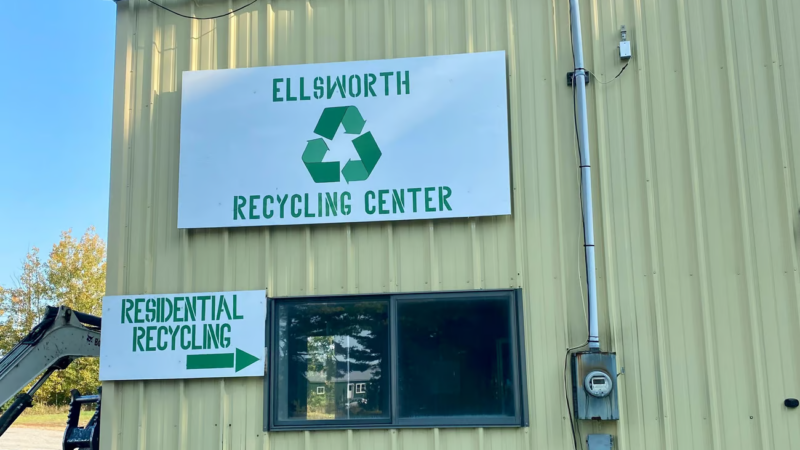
[[22, 307], [74, 275]]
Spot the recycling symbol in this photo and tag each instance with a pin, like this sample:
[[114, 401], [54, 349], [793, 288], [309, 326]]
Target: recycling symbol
[[365, 145]]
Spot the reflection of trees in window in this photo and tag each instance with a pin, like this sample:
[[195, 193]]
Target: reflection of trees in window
[[321, 354], [332, 344]]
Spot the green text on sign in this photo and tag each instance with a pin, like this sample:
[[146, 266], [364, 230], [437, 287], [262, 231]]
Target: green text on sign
[[356, 85], [330, 204], [181, 322]]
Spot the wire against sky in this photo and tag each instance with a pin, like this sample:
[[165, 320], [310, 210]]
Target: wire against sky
[[202, 18]]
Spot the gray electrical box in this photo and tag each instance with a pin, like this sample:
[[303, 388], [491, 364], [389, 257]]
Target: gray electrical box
[[599, 441], [594, 386]]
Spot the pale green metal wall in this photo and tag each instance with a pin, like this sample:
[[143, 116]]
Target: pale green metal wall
[[696, 153]]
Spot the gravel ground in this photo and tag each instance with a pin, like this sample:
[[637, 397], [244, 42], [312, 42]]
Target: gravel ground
[[21, 438]]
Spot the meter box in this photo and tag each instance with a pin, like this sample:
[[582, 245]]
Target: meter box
[[594, 386]]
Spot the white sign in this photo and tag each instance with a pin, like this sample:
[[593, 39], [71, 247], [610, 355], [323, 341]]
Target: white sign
[[198, 335], [397, 139]]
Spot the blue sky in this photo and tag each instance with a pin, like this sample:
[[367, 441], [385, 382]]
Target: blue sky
[[55, 123]]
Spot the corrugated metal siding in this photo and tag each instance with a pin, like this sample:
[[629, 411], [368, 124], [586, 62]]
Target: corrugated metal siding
[[696, 151]]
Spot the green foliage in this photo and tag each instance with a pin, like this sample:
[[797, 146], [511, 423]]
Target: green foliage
[[74, 275]]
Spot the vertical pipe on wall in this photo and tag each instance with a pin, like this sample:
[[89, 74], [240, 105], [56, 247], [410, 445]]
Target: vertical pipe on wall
[[582, 128]]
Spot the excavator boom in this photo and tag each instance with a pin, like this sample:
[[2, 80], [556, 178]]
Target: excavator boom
[[61, 337]]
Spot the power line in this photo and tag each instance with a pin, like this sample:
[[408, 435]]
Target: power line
[[202, 18], [611, 80]]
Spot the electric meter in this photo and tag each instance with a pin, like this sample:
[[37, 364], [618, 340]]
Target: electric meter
[[598, 384], [594, 389]]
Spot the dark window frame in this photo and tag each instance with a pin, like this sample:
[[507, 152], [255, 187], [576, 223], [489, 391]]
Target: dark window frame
[[518, 362]]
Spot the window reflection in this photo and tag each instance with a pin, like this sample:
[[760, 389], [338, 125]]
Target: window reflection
[[332, 360]]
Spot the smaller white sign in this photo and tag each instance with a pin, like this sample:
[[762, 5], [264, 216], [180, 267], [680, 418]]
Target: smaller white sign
[[196, 335]]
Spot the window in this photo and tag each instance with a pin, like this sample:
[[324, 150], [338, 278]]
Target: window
[[333, 344], [454, 358], [396, 360]]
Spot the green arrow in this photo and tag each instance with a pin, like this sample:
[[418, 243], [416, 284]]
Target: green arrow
[[321, 172], [209, 361], [329, 121], [352, 121], [354, 171], [220, 361], [368, 150], [369, 153], [327, 172], [315, 151], [331, 118], [244, 359]]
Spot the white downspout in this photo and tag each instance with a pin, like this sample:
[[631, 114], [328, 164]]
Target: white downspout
[[579, 84]]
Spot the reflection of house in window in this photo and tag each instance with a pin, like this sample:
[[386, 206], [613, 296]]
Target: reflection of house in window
[[332, 374], [351, 386]]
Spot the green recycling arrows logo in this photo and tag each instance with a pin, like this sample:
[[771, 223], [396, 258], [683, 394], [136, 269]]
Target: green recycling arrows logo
[[316, 149]]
